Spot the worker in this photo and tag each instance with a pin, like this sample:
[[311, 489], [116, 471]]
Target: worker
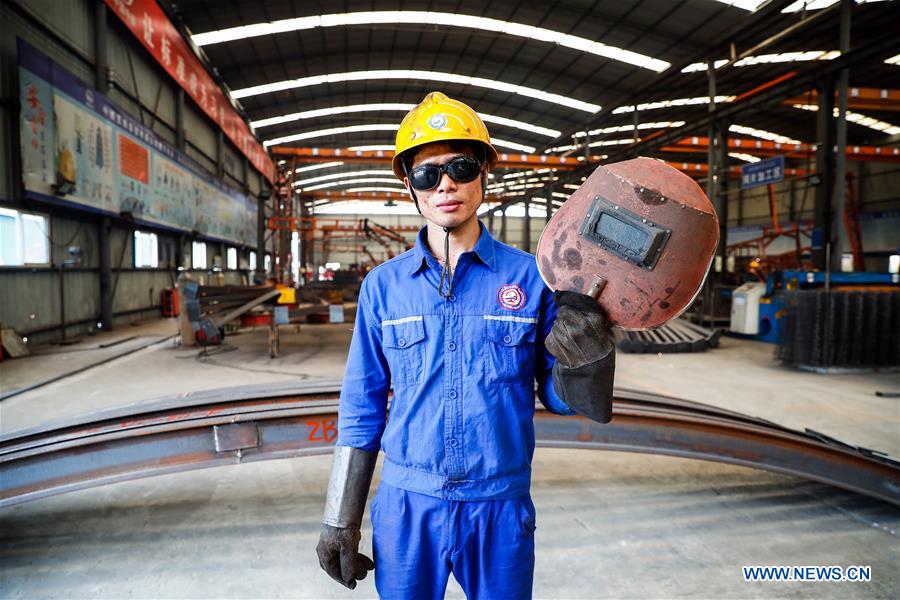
[[460, 326]]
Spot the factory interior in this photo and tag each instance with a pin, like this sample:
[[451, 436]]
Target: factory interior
[[195, 195]]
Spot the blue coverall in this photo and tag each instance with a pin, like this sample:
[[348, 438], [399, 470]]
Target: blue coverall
[[454, 493]]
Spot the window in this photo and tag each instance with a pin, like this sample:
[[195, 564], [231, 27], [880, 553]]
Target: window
[[252, 260], [146, 250], [231, 259], [23, 238], [267, 263], [198, 255]]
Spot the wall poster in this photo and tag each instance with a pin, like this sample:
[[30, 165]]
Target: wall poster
[[79, 147]]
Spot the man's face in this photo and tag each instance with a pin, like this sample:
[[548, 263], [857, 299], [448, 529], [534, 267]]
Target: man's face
[[450, 203]]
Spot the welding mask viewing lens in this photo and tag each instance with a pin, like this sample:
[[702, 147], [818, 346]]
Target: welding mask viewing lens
[[461, 169]]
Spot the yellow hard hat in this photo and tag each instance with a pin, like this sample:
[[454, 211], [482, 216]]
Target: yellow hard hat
[[439, 119]]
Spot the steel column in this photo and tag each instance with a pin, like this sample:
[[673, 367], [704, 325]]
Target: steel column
[[261, 227], [220, 155], [721, 178], [838, 231], [824, 173], [179, 252], [180, 139], [101, 60], [792, 209], [305, 247], [548, 208], [106, 288], [526, 233]]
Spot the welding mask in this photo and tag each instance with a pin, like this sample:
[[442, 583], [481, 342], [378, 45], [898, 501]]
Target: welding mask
[[637, 235]]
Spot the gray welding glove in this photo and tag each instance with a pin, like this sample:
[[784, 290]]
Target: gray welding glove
[[348, 488], [582, 342]]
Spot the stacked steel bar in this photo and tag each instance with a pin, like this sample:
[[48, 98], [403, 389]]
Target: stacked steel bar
[[678, 335], [841, 328], [214, 300]]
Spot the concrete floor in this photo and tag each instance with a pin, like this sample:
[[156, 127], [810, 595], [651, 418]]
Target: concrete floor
[[609, 524]]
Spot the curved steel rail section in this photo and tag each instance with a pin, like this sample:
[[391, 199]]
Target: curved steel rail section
[[235, 425]]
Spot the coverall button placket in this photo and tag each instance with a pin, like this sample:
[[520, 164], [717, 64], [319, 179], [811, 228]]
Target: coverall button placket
[[452, 408]]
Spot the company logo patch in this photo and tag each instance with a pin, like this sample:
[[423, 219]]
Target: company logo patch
[[511, 296], [437, 121]]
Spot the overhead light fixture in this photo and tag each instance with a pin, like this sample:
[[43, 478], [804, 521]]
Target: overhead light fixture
[[859, 119], [328, 112], [762, 134], [364, 207], [377, 189], [748, 5], [764, 59], [343, 175], [613, 142], [527, 173], [565, 148], [894, 60], [597, 144], [744, 157], [671, 103], [801, 5], [623, 128], [373, 148], [329, 184], [308, 135], [327, 165], [434, 18], [512, 145], [380, 75], [551, 133], [398, 107]]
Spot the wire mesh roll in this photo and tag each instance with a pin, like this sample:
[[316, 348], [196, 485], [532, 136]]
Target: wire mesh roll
[[840, 328]]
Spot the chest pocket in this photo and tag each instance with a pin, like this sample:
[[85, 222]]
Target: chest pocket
[[403, 341], [510, 345]]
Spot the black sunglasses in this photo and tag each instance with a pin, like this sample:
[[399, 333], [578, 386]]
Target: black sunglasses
[[461, 169]]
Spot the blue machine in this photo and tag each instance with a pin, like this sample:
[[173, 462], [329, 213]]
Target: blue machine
[[771, 305], [793, 280]]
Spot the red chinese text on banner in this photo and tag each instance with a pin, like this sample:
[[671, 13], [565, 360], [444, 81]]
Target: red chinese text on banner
[[152, 28]]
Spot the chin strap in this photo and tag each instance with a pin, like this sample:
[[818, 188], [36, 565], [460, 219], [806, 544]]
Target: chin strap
[[446, 272]]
